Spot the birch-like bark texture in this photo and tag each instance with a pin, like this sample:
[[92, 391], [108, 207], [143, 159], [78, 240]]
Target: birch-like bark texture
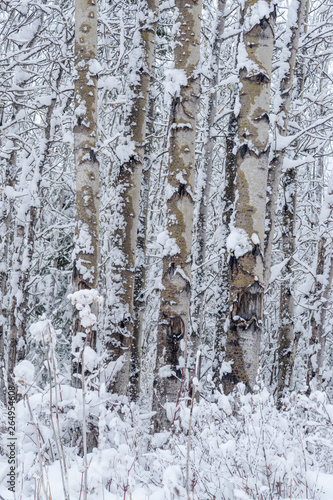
[[85, 265], [176, 279], [282, 106], [246, 239], [322, 290], [122, 347], [206, 175]]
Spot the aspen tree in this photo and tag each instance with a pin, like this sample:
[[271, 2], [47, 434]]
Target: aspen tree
[[85, 265], [206, 172], [176, 278], [121, 346], [322, 289], [229, 200], [286, 348], [245, 242], [140, 262], [282, 106]]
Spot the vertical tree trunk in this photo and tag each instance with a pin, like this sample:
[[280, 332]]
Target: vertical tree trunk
[[120, 341], [206, 176], [140, 263], [286, 350], [322, 289], [246, 239], [176, 280], [222, 316], [286, 353], [7, 340], [282, 106], [85, 265]]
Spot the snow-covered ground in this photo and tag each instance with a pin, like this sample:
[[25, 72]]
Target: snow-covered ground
[[239, 447]]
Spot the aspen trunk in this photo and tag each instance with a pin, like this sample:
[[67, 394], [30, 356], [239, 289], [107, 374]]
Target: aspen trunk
[[85, 262], [206, 174], [121, 346], [246, 239], [286, 353], [286, 334], [282, 106], [140, 263], [176, 279], [222, 316], [323, 287]]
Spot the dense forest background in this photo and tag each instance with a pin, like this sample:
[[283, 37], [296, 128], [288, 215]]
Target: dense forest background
[[166, 206]]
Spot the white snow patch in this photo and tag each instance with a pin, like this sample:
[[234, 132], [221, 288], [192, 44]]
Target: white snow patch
[[238, 242]]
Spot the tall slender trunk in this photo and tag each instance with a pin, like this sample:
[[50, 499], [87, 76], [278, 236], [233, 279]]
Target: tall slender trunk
[[282, 106], [246, 239], [286, 353], [120, 339], [176, 279], [222, 316], [140, 263], [322, 289], [286, 347], [206, 176], [86, 249]]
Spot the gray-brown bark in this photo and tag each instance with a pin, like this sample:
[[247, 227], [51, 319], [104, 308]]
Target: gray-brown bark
[[282, 104], [246, 240], [286, 353], [176, 279], [206, 175], [223, 300], [286, 341], [140, 264], [322, 290], [121, 346], [85, 265]]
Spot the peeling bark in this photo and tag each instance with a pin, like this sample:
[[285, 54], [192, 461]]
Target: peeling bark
[[176, 279]]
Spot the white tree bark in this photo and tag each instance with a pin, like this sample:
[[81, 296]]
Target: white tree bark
[[282, 106], [86, 250], [206, 175], [246, 240], [322, 290], [176, 280], [122, 347]]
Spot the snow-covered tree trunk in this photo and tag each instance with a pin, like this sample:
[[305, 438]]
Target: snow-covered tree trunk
[[206, 176], [86, 249], [222, 315], [121, 346], [286, 353], [245, 242], [282, 105], [286, 349], [176, 279], [322, 290], [7, 224], [140, 263]]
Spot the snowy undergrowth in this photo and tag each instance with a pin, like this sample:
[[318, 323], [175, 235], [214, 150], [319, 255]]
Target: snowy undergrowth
[[240, 447]]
